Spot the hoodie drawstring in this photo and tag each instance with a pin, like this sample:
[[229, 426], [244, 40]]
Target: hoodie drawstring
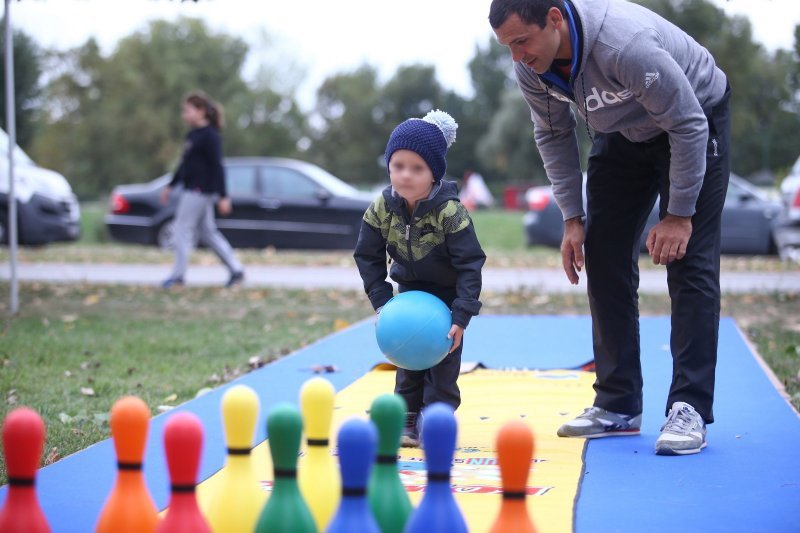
[[585, 109]]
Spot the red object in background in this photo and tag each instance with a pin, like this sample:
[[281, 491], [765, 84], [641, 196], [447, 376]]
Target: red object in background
[[538, 198], [512, 197], [23, 440], [119, 205]]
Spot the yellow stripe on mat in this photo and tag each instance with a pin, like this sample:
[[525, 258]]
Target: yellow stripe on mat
[[544, 399]]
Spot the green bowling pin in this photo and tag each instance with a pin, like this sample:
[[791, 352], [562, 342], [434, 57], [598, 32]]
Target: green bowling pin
[[286, 510], [387, 496]]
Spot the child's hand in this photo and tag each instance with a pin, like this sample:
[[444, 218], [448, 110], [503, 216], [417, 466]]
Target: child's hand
[[456, 332]]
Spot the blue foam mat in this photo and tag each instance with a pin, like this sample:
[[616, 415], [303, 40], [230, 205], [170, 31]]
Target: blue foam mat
[[747, 479]]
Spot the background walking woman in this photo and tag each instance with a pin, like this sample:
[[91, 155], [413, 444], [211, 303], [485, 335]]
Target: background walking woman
[[203, 177]]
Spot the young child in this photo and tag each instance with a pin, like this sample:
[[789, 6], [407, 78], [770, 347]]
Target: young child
[[419, 221]]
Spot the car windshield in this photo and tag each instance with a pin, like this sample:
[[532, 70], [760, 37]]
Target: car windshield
[[328, 180], [20, 157]]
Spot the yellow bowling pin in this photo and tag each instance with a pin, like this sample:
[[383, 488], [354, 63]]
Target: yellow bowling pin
[[318, 474], [237, 499]]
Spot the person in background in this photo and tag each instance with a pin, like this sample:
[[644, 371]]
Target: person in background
[[203, 178]]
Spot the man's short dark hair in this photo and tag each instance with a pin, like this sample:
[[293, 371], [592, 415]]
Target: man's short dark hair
[[529, 11]]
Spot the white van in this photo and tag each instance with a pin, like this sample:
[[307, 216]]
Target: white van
[[47, 209]]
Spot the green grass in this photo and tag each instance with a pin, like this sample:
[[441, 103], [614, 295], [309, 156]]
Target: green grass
[[167, 346], [93, 230]]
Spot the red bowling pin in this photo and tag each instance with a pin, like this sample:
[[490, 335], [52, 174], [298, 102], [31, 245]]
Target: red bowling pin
[[129, 507], [183, 442], [23, 440], [514, 454]]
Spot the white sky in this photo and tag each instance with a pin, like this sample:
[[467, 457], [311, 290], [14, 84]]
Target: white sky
[[322, 37]]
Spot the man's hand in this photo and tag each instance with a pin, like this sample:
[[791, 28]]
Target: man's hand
[[668, 239], [456, 332], [572, 248], [165, 193], [224, 206]]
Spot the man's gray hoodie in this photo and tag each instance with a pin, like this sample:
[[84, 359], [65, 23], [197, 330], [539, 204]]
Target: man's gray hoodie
[[638, 75]]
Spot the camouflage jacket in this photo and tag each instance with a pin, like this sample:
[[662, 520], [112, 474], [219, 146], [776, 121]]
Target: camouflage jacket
[[434, 249]]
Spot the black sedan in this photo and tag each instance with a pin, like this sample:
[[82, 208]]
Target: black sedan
[[284, 203], [748, 219]]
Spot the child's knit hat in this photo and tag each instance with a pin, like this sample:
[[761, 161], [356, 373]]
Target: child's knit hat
[[429, 137]]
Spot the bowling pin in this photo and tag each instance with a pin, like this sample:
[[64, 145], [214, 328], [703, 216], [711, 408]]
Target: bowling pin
[[23, 440], [438, 510], [387, 496], [357, 442], [286, 510], [317, 471], [183, 442], [129, 507], [237, 500], [514, 454]]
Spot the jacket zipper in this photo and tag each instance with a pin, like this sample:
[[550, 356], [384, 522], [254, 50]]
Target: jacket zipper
[[408, 241]]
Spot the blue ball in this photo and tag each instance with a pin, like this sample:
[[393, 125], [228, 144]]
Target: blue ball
[[412, 330]]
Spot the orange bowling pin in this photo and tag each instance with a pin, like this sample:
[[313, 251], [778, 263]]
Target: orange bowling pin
[[514, 454], [23, 440], [129, 507]]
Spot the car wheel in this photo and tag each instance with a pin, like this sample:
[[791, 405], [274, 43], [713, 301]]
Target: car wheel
[[165, 237]]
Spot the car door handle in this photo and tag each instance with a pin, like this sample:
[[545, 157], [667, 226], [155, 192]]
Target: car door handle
[[269, 203]]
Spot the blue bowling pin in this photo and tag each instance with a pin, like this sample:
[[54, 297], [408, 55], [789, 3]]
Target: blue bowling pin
[[357, 442], [438, 510]]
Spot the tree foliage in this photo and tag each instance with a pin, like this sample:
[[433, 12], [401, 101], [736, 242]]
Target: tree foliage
[[103, 120], [27, 89]]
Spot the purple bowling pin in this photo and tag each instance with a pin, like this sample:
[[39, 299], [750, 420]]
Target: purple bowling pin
[[438, 510], [357, 442]]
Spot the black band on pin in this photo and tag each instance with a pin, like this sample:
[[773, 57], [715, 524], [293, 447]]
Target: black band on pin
[[387, 460], [238, 451], [129, 466], [354, 491], [285, 472], [21, 481], [438, 476], [182, 488], [317, 442], [513, 495]]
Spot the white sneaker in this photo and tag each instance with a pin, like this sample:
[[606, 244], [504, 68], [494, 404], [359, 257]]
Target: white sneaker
[[683, 433], [596, 422]]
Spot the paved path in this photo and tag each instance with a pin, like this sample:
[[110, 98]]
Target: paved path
[[312, 277]]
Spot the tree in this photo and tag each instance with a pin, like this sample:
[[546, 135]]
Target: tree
[[27, 90], [349, 135], [117, 119]]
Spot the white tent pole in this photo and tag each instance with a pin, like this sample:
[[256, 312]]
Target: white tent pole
[[11, 128]]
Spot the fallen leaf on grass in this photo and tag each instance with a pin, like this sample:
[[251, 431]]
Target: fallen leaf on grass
[[171, 398], [52, 456], [87, 391], [69, 318], [92, 299]]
